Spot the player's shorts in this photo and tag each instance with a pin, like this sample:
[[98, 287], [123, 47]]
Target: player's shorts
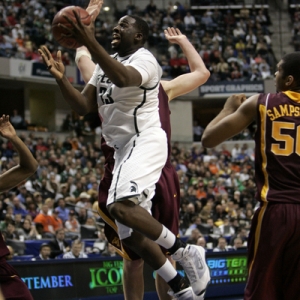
[[137, 169], [273, 253], [165, 206], [12, 286]]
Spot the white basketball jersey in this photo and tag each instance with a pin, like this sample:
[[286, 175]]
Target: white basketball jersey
[[127, 111]]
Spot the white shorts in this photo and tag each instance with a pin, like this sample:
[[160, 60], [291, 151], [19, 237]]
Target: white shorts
[[137, 169]]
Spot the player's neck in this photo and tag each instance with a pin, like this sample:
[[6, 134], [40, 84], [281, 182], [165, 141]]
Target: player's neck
[[128, 52]]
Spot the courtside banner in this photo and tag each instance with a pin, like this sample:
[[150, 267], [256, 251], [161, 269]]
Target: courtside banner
[[70, 279], [223, 88]]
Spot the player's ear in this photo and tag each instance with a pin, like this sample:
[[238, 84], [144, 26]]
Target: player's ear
[[289, 80], [139, 36]]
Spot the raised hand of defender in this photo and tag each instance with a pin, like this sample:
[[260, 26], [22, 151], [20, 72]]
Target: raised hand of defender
[[55, 67], [94, 8], [234, 102], [174, 35], [6, 129]]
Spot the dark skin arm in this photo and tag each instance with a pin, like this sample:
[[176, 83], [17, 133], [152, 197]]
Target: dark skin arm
[[83, 103], [27, 163], [237, 114]]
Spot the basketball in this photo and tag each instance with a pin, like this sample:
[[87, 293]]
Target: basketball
[[59, 19]]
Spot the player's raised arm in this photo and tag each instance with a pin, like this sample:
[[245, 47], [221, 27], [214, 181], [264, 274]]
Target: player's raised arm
[[237, 113], [84, 63], [94, 8], [27, 163], [82, 103], [199, 73], [83, 57]]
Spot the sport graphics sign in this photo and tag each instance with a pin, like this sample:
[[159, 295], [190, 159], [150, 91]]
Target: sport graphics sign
[[223, 88]]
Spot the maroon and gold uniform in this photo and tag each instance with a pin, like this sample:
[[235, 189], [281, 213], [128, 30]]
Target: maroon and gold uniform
[[12, 286], [275, 234], [165, 203]]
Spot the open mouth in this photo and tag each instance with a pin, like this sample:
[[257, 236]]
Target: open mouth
[[115, 38], [115, 41]]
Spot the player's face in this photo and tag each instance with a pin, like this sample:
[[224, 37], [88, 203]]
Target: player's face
[[124, 35], [279, 81]]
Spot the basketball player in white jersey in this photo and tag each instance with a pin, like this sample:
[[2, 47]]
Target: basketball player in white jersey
[[126, 88], [133, 283]]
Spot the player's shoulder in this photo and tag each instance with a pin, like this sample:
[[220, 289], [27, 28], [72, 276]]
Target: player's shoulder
[[143, 52]]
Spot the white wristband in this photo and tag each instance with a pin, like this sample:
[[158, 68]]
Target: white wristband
[[82, 52]]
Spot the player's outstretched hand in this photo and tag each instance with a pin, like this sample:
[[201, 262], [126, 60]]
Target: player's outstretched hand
[[234, 102], [94, 8], [6, 129], [55, 67], [174, 35]]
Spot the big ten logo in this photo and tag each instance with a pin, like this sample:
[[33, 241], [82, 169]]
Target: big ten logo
[[228, 266], [109, 276]]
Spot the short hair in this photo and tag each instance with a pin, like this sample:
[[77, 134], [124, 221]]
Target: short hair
[[142, 26], [77, 242], [59, 230], [290, 66], [44, 245]]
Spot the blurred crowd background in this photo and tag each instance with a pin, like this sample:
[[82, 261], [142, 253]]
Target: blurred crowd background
[[217, 189]]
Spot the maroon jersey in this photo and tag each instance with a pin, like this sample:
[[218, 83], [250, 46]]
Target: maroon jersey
[[12, 286], [277, 154], [273, 251], [165, 203]]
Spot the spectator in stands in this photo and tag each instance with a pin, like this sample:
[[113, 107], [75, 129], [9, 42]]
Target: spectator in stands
[[202, 242], [237, 244], [222, 245], [63, 212], [180, 10], [197, 131], [10, 231], [58, 223], [229, 19], [18, 221], [47, 222], [205, 53], [50, 202], [226, 229], [195, 233], [28, 230], [76, 250], [18, 208], [17, 120], [189, 22], [244, 12], [151, 9], [84, 201], [72, 225], [188, 216], [45, 251], [207, 22], [59, 245]]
